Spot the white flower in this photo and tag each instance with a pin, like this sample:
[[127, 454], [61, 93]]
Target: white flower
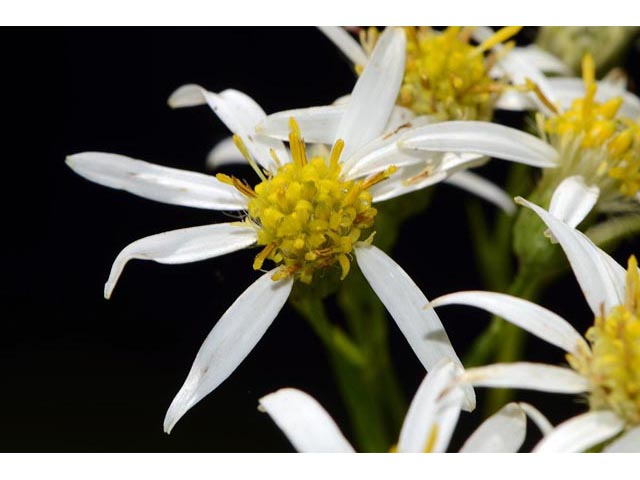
[[307, 214], [606, 369], [427, 427], [590, 145]]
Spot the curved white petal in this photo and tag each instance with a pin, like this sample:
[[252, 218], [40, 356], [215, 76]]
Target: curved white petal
[[239, 112], [515, 101], [317, 124], [581, 433], [483, 188], [224, 153], [527, 315], [397, 184], [601, 282], [573, 199], [502, 432], [629, 442], [404, 301], [482, 138], [185, 245], [230, 341], [536, 416], [427, 408], [307, 425], [346, 44], [528, 376], [162, 184], [568, 89], [375, 93]]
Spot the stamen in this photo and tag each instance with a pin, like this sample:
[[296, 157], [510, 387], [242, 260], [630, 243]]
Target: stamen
[[532, 86], [298, 150], [238, 184], [237, 141], [500, 36], [336, 151], [431, 440]]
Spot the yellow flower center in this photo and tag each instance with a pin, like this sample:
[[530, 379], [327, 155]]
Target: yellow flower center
[[599, 143], [613, 364], [447, 76], [306, 216]]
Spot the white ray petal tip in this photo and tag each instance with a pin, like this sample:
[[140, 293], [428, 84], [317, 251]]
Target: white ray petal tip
[[189, 95]]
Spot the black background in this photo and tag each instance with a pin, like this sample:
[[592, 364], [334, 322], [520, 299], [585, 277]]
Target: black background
[[80, 373]]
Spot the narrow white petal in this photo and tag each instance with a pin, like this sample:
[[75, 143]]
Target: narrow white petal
[[573, 199], [397, 184], [185, 245], [527, 315], [515, 101], [502, 432], [163, 184], [347, 44], [568, 89], [629, 442], [375, 92], [528, 376], [317, 124], [427, 407], [542, 60], [536, 416], [581, 433], [230, 341], [307, 425], [601, 283], [224, 153], [482, 138], [405, 302], [239, 112], [483, 188]]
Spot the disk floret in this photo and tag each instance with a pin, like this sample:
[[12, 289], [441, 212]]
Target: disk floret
[[446, 75], [307, 217], [596, 142], [613, 364]]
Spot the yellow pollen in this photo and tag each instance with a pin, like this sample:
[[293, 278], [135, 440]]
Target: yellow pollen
[[445, 74], [431, 441], [307, 217], [598, 130], [613, 364]]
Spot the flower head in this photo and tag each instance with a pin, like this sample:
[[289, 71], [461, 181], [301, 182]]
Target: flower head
[[604, 367]]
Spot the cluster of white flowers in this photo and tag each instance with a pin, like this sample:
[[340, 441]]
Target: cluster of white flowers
[[419, 113]]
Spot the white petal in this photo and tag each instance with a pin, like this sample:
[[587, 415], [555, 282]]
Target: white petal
[[515, 101], [224, 153], [317, 124], [502, 432], [629, 442], [529, 376], [527, 315], [573, 199], [405, 302], [581, 433], [542, 60], [185, 245], [519, 69], [427, 407], [601, 283], [483, 188], [536, 416], [482, 138], [230, 341], [347, 44], [568, 89], [397, 185], [307, 425], [239, 112], [163, 184], [383, 152], [375, 93]]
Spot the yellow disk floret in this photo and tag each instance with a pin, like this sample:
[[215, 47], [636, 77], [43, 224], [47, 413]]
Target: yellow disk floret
[[613, 365], [609, 143], [446, 75], [306, 216]]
